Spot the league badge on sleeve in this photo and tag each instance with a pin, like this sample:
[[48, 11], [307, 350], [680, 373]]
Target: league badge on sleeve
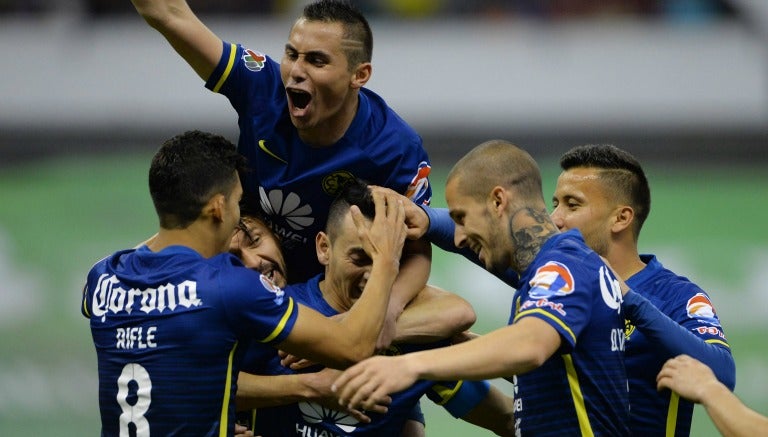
[[420, 183], [551, 279], [253, 60], [700, 307], [272, 288]]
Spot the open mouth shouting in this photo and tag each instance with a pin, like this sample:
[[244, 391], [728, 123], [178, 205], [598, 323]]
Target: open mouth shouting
[[298, 100]]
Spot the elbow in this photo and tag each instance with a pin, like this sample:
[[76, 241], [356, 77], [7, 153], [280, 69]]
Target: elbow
[[727, 373], [464, 318], [354, 354]]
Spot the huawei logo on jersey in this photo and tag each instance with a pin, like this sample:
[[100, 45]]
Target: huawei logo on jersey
[[289, 207], [334, 182], [313, 413]]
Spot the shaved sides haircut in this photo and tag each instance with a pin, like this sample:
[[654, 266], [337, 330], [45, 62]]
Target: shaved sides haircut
[[356, 27], [620, 173]]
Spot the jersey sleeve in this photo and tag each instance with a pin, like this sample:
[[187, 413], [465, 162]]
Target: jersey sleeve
[[246, 77], [458, 397], [559, 297], [260, 309]]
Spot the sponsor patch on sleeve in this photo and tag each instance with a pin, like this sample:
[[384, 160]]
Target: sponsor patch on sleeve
[[254, 60], [700, 307], [420, 183], [551, 279]]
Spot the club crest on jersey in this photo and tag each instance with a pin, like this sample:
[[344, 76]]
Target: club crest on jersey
[[551, 279], [272, 288], [253, 60], [420, 183], [334, 182], [700, 307]]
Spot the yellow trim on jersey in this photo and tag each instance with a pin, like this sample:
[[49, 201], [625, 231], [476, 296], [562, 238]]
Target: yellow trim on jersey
[[674, 402], [713, 341], [223, 420], [540, 311], [578, 397], [280, 326], [446, 393], [230, 64], [85, 302]]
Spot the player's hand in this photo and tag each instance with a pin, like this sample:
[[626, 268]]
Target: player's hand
[[385, 236], [416, 219], [369, 382], [242, 431], [687, 377], [293, 361], [320, 383]]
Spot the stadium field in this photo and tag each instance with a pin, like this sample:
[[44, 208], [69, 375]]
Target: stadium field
[[58, 217]]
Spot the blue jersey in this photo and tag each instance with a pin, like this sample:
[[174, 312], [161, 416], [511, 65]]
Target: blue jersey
[[310, 419], [582, 388], [296, 182], [170, 329], [663, 413]]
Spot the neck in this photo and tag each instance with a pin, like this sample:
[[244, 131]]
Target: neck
[[529, 229], [331, 130], [332, 297], [192, 237], [624, 259]]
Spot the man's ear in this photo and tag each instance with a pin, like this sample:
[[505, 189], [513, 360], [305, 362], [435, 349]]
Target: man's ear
[[215, 208], [323, 248], [624, 217], [499, 199], [361, 75]]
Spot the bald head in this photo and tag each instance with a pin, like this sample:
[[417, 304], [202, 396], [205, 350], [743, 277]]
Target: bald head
[[497, 163]]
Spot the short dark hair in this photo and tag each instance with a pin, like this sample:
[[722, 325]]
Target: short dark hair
[[622, 173], [355, 192], [356, 27], [186, 171]]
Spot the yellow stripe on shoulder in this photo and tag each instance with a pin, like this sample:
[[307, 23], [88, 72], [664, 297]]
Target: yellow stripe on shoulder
[[230, 64], [548, 315], [446, 393], [280, 326]]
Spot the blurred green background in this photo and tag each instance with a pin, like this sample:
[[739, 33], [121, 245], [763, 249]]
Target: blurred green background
[[58, 217]]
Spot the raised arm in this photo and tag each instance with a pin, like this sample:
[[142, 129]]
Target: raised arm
[[191, 39]]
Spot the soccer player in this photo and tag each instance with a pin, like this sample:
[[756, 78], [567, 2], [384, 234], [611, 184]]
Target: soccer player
[[563, 348], [302, 402], [693, 380], [307, 124], [171, 320], [603, 191]]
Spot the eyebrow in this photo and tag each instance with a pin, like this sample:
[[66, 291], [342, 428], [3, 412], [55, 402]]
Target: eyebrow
[[288, 46]]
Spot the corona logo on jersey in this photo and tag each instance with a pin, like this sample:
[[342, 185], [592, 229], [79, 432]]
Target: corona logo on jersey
[[313, 413], [334, 182], [701, 308], [420, 183], [111, 296], [276, 203], [253, 60], [272, 288], [551, 279]]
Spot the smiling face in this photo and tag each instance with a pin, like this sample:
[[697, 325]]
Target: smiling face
[[320, 85], [347, 265], [477, 229], [258, 248], [581, 201]]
